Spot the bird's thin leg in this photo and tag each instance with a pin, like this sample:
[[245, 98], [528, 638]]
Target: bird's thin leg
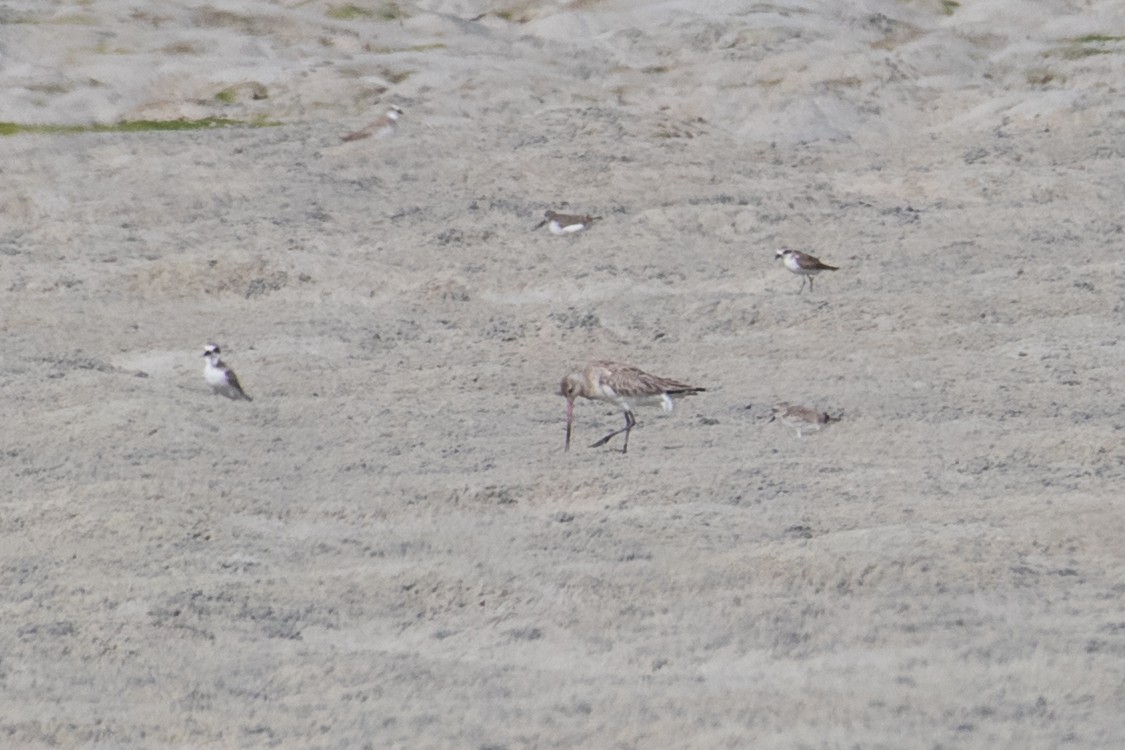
[[606, 439], [810, 284], [629, 422], [803, 280]]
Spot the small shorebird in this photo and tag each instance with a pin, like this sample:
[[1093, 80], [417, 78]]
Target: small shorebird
[[220, 377], [801, 418], [803, 264], [565, 223], [623, 386], [384, 127]]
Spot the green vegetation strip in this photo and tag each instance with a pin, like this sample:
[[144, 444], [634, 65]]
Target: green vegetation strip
[[387, 11], [1094, 39], [134, 126]]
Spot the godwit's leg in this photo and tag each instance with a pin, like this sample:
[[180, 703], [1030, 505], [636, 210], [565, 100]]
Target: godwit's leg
[[629, 422]]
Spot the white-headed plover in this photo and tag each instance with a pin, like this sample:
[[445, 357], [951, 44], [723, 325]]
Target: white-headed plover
[[803, 264], [384, 127], [565, 223], [220, 377]]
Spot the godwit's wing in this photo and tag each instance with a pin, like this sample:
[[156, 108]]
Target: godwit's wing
[[631, 382]]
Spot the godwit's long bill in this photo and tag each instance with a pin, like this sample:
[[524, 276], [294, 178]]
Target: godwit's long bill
[[623, 386]]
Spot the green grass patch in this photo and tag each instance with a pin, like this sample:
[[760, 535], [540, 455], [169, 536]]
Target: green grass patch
[[948, 6], [413, 48], [133, 126], [1095, 39], [390, 12], [72, 19], [1077, 53], [517, 14], [349, 12], [66, 19], [1087, 45], [387, 11], [49, 88], [104, 48]]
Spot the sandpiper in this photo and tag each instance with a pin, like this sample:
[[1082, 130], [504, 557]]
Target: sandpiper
[[565, 223], [803, 264], [220, 377], [623, 386], [384, 127], [801, 418]]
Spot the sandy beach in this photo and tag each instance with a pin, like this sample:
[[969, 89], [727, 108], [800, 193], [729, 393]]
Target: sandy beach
[[389, 548]]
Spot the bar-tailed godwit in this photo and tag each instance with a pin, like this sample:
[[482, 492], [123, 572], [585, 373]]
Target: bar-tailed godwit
[[623, 386]]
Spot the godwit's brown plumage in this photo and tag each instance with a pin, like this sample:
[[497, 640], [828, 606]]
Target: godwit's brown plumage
[[623, 386]]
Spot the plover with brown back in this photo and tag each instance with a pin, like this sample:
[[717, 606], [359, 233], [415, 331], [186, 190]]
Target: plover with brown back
[[804, 265], [565, 223], [383, 127], [801, 418], [220, 377]]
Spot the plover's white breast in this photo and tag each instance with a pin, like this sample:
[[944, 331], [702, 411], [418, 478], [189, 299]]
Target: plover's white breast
[[556, 228], [215, 376], [793, 263]]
